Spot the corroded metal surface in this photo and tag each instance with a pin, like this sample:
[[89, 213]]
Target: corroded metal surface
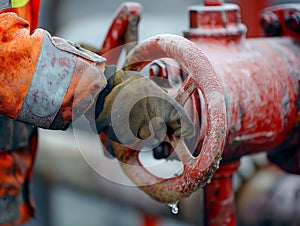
[[281, 20], [260, 78], [123, 30], [219, 198], [197, 170], [261, 82]]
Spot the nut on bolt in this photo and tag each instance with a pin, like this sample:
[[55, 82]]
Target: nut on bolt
[[293, 22], [270, 24]]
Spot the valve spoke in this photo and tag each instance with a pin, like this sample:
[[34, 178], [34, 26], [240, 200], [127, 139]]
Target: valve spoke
[[181, 149]]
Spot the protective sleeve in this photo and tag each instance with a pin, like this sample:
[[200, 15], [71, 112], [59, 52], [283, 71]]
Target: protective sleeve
[[45, 81]]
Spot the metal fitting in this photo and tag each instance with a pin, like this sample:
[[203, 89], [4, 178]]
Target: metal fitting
[[293, 22], [270, 24]]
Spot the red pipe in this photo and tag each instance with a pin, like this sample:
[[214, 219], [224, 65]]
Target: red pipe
[[259, 76], [150, 220], [219, 197], [250, 12], [260, 80]]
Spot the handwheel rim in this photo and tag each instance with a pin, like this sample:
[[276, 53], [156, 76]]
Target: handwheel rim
[[197, 170]]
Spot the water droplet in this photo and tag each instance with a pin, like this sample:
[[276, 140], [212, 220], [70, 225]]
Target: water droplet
[[174, 207]]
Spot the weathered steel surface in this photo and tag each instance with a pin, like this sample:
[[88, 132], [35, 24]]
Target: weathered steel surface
[[219, 198], [197, 170], [260, 81], [123, 30], [260, 78], [281, 20]]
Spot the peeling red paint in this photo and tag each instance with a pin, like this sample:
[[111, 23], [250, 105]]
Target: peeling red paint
[[197, 171], [120, 31], [260, 82]]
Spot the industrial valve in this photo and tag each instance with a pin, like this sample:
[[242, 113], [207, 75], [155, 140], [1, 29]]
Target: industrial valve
[[244, 95], [197, 170]]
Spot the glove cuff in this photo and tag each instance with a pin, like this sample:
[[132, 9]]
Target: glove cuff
[[109, 73]]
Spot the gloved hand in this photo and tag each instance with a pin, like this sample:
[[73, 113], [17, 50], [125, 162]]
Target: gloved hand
[[136, 108]]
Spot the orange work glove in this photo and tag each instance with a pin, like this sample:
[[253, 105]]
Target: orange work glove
[[43, 78]]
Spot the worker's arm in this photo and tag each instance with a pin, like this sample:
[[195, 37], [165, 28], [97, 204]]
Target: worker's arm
[[43, 78]]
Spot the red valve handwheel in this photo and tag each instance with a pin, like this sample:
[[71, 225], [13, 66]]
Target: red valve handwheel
[[197, 170], [122, 31]]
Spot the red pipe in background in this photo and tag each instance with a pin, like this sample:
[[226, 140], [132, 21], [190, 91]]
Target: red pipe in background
[[260, 78], [219, 196], [250, 15], [150, 220]]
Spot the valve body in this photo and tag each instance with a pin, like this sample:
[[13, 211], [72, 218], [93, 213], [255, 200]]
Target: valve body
[[260, 77]]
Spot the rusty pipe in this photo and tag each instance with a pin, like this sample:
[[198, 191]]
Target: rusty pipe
[[260, 82], [123, 31], [269, 76], [260, 77]]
